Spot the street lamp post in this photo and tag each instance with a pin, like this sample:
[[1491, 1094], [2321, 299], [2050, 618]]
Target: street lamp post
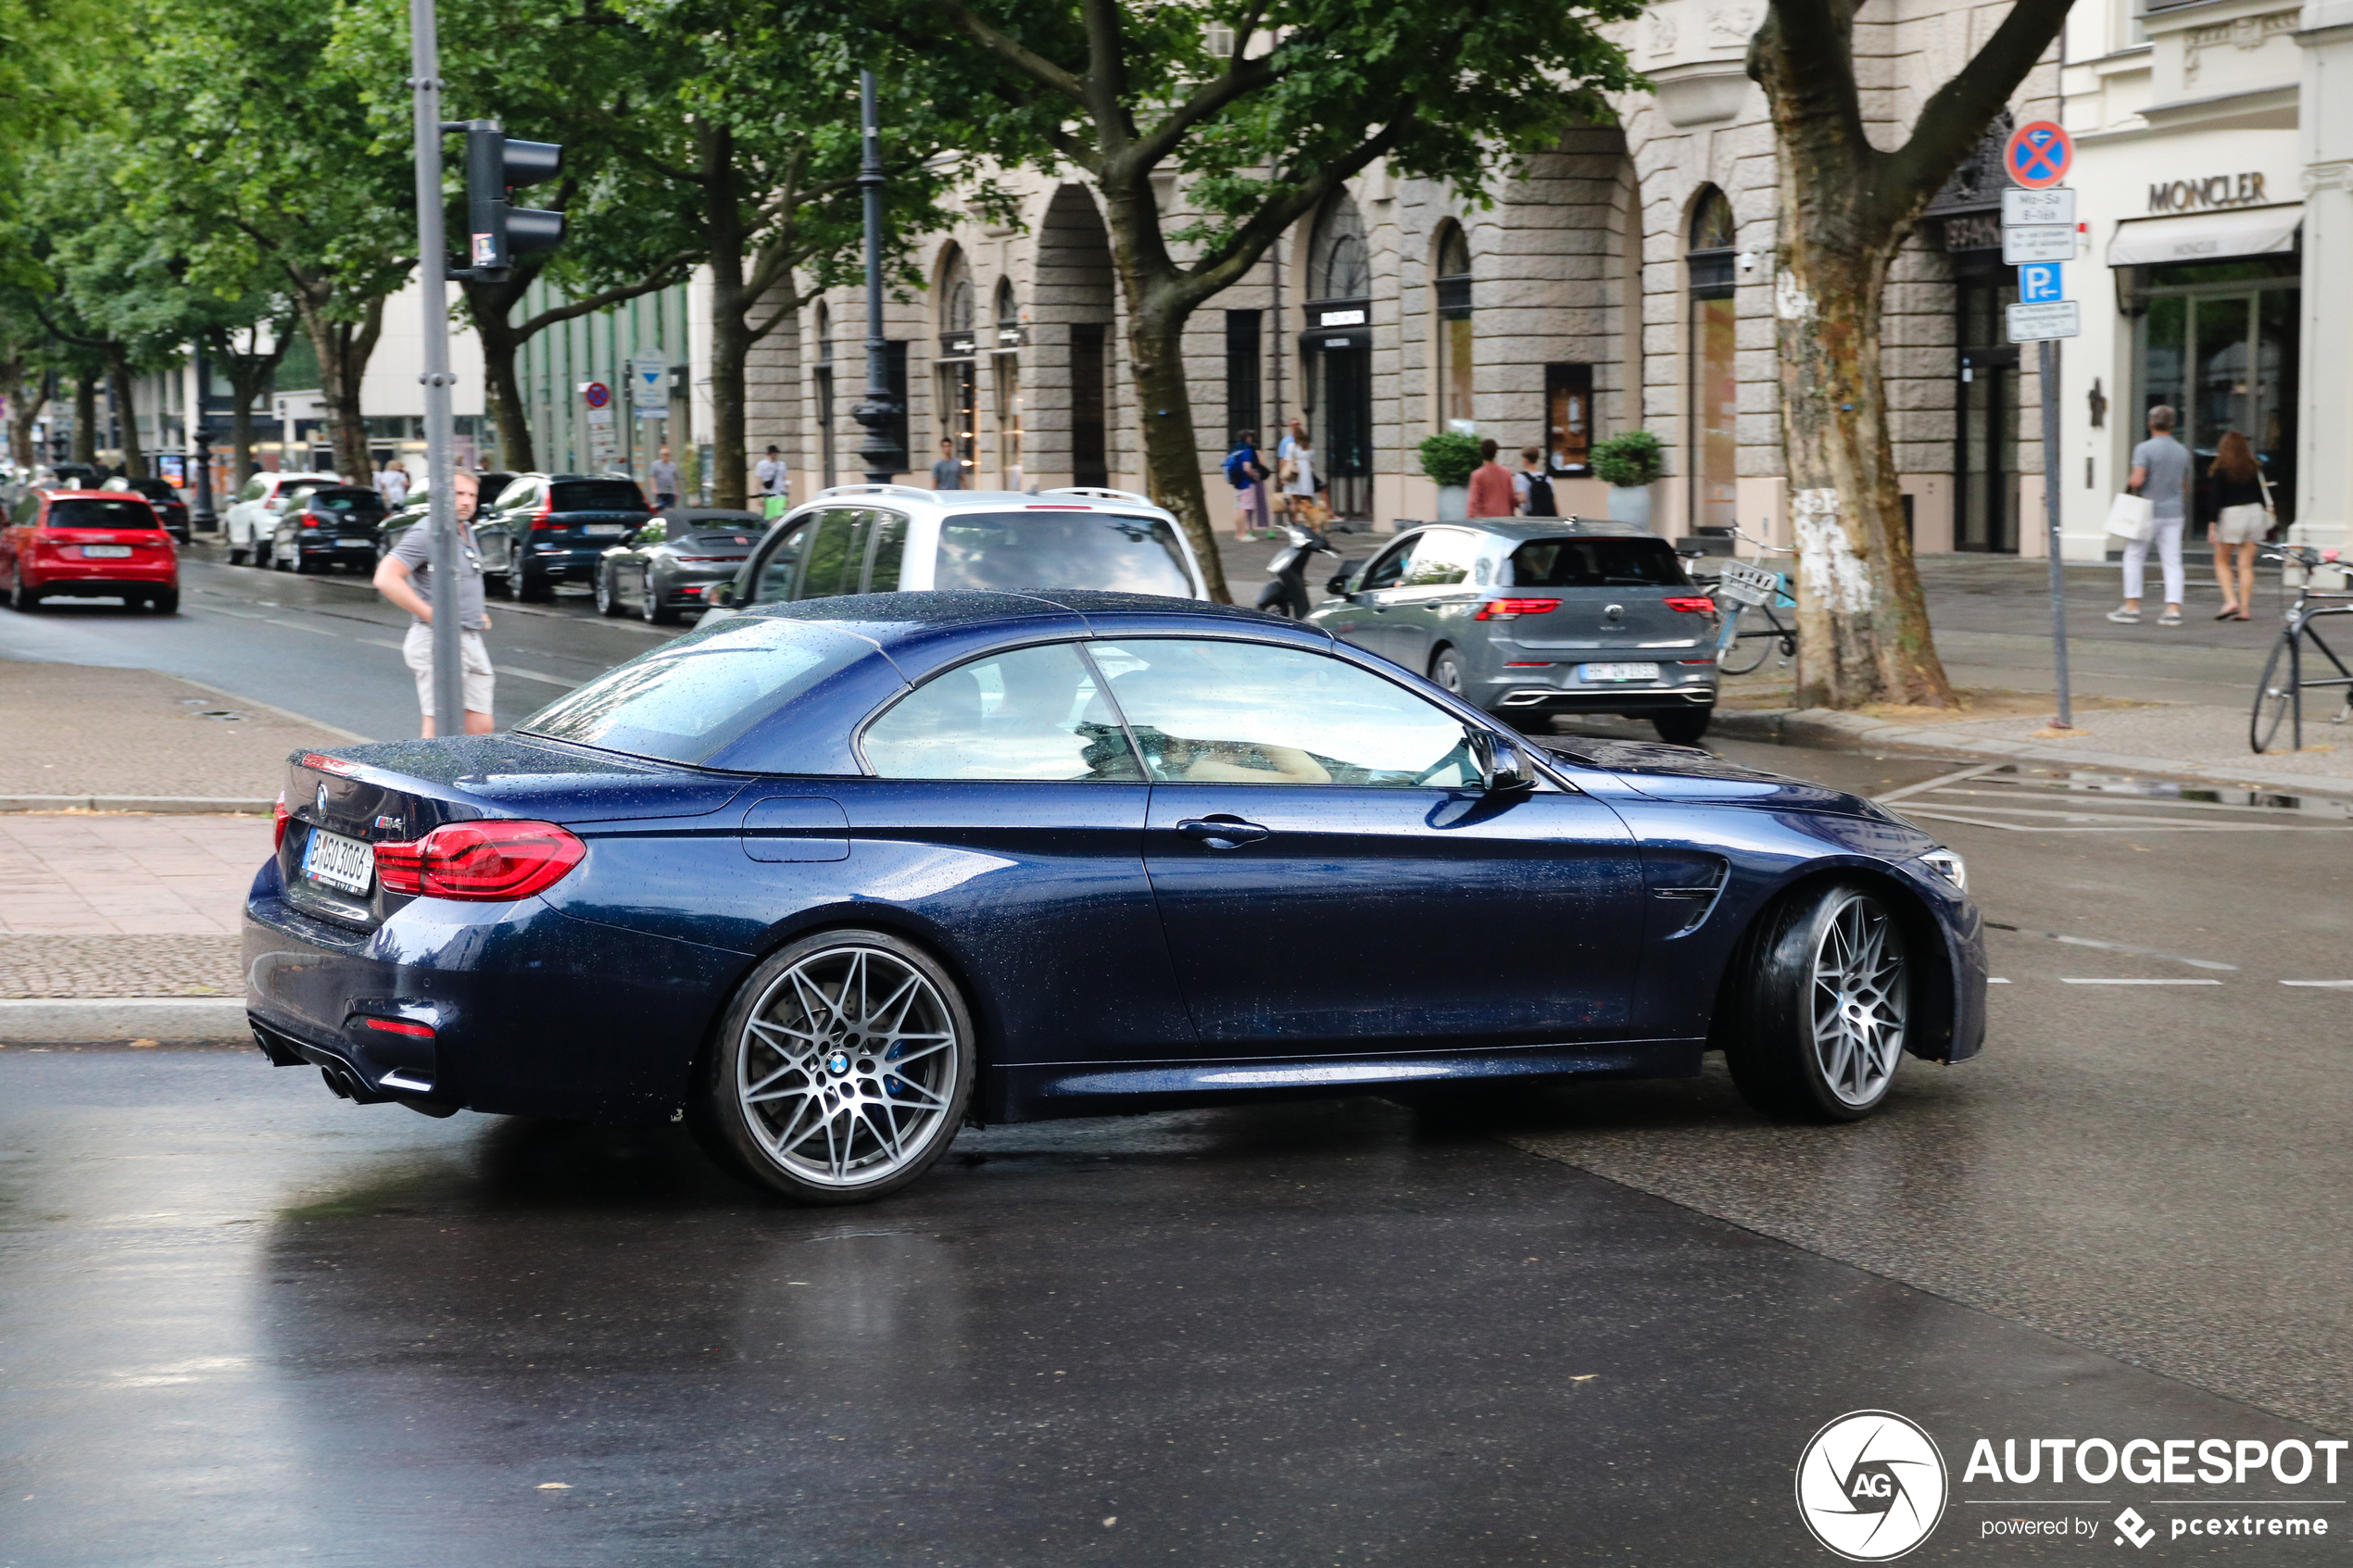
[[441, 515], [201, 518], [879, 410]]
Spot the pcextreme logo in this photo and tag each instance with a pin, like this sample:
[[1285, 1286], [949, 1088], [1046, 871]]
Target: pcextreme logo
[[1872, 1485]]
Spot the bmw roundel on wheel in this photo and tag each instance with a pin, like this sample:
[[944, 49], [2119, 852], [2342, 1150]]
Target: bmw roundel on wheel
[[828, 880]]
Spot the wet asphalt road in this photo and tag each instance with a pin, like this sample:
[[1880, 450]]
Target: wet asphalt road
[[243, 1321]]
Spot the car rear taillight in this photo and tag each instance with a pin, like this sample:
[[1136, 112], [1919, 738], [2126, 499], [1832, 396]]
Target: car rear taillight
[[480, 863], [1694, 605], [540, 524], [1508, 609], [398, 1027], [311, 520], [279, 816]]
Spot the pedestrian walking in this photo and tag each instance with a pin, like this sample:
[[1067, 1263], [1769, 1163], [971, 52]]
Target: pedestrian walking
[[1490, 486], [773, 477], [393, 484], [667, 485], [1532, 488], [2161, 475], [947, 473], [1296, 433], [2241, 524], [1299, 478], [405, 578], [1248, 477]]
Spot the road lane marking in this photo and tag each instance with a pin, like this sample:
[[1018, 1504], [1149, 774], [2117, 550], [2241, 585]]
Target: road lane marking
[[2324, 984], [298, 626], [2069, 982], [2112, 947], [2111, 821], [1927, 784], [1990, 980], [534, 675]]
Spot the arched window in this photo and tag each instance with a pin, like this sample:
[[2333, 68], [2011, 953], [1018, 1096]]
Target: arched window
[[1456, 358], [959, 379], [1714, 441], [1343, 263], [955, 294]]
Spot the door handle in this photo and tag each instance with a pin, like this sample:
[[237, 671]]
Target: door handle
[[1223, 832]]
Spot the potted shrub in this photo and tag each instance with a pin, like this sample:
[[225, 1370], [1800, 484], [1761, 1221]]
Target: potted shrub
[[1449, 458], [1629, 464]]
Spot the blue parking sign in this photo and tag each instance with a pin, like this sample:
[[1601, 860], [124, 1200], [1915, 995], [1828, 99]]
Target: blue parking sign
[[2038, 284]]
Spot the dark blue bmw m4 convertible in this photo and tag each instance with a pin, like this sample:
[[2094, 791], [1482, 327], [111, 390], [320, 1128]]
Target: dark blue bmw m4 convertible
[[828, 880]]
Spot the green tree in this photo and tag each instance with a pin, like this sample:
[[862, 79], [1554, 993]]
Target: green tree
[[1262, 108], [1847, 208]]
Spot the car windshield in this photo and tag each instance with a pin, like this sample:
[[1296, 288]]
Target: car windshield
[[1027, 550], [102, 514], [345, 502], [688, 699], [735, 543], [597, 495], [1597, 564]]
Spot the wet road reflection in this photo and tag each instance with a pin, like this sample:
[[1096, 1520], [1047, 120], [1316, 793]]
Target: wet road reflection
[[248, 1322]]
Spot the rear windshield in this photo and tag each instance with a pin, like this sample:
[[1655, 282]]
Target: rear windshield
[[345, 501], [737, 542], [103, 514], [1017, 551], [1597, 564], [690, 698], [597, 495]]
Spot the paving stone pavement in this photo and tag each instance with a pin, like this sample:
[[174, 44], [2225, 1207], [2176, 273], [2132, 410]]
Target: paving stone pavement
[[117, 874], [80, 730], [119, 966]]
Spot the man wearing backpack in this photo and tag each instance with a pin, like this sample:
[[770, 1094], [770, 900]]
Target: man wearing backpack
[[1246, 474], [1532, 488]]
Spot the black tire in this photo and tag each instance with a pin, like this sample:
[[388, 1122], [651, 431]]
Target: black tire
[[164, 601], [649, 606], [1448, 672], [2274, 697], [609, 603], [24, 598], [237, 555], [1744, 654], [522, 588], [834, 1078], [1682, 728], [1787, 1018]]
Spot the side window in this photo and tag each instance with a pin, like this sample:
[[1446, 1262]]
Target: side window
[[1442, 557], [890, 548], [1213, 713], [836, 552], [1386, 571], [1033, 714], [773, 579]]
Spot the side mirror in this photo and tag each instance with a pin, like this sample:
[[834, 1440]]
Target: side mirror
[[722, 596], [1336, 585], [1502, 765]]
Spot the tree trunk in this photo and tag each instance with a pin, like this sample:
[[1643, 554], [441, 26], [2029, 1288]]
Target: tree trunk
[[730, 337], [24, 407], [343, 349], [500, 345], [1863, 634], [126, 413], [85, 420]]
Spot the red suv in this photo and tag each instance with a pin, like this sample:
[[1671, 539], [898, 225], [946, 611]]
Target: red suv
[[100, 542]]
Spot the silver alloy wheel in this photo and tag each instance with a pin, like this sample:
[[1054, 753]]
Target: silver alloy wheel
[[1859, 998], [848, 1067]]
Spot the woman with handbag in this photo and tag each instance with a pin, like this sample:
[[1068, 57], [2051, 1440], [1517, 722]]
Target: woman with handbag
[[2160, 478], [2243, 497]]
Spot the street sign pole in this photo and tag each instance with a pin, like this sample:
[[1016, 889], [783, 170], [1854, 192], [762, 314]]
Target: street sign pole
[[2050, 376], [2038, 237], [433, 261]]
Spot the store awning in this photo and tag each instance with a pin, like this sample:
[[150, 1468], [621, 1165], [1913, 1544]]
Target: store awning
[[2206, 237]]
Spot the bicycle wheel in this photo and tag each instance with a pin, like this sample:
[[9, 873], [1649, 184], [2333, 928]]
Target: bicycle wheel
[[1753, 638], [2275, 694]]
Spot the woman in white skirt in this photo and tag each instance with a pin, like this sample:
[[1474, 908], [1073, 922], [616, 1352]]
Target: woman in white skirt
[[1301, 482], [2242, 521]]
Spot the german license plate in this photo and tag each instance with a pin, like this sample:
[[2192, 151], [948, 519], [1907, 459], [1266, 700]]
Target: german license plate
[[349, 540], [345, 864], [604, 530], [1750, 584], [105, 552], [1618, 671]]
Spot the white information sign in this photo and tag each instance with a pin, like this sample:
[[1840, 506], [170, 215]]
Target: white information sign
[[2054, 205], [2022, 243], [650, 383], [601, 419], [2034, 323]]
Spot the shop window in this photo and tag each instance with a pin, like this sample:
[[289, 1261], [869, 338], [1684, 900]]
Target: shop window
[[1005, 372], [1457, 357], [1714, 438], [1244, 370], [958, 367]]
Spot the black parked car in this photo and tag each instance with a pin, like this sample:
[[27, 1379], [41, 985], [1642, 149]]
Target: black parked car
[[167, 502], [673, 563], [551, 528], [326, 525], [489, 488]]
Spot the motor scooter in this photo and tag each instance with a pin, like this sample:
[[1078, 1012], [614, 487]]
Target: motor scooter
[[1287, 595]]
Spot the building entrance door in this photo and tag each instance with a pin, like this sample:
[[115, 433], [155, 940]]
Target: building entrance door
[[2218, 344], [1348, 430], [1985, 423]]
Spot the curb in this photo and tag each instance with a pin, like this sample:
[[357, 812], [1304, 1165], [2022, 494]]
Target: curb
[[59, 1020], [1825, 729], [159, 804]]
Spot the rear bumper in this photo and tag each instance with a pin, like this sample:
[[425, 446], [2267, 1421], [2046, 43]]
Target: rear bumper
[[532, 1012], [100, 577], [1599, 699]]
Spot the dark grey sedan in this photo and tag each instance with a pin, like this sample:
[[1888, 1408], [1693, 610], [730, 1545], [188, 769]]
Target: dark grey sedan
[[669, 565], [1535, 616]]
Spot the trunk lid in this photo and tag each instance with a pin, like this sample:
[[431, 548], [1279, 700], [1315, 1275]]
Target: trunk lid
[[1606, 595]]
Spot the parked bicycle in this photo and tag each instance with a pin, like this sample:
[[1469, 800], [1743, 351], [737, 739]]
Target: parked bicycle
[[1759, 610], [2279, 696]]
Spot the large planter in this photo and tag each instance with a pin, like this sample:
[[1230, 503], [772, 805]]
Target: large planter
[[1631, 503], [1453, 503]]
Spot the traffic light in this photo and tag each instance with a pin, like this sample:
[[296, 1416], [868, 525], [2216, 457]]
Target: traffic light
[[495, 166]]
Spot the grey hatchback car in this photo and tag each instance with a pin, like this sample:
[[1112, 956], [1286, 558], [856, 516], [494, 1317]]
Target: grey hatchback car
[[1536, 616]]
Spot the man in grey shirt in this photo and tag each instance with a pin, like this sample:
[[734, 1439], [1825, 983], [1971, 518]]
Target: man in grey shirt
[[667, 487], [948, 473], [2161, 472], [405, 578]]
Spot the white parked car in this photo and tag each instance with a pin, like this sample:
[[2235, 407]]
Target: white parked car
[[253, 517], [887, 538]]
